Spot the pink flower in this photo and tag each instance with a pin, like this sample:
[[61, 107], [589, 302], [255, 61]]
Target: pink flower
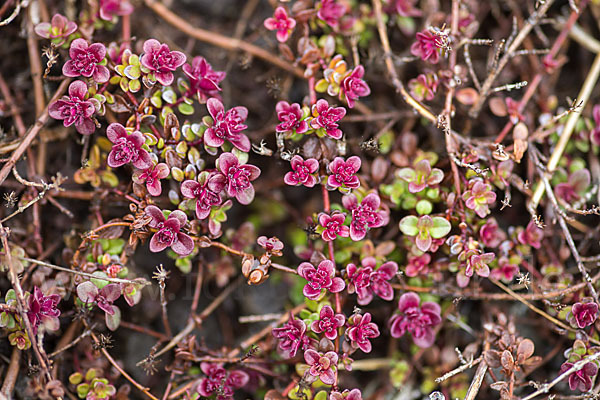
[[292, 336], [343, 172], [334, 226], [110, 8], [505, 270], [581, 380], [326, 118], [169, 234], [328, 323], [424, 86], [271, 245], [281, 23], [206, 192], [421, 176], [353, 86], [290, 118], [595, 133], [321, 366], [151, 177], [302, 172], [366, 280], [360, 331], [226, 126], [365, 215], [59, 28], [127, 148], [353, 394], [331, 12], [85, 61], [576, 185], [418, 265], [43, 310], [477, 261], [238, 177], [583, 314], [427, 47], [531, 236], [479, 196], [74, 109], [204, 80], [320, 279], [491, 234], [159, 59], [406, 8], [219, 380], [104, 298], [419, 321]]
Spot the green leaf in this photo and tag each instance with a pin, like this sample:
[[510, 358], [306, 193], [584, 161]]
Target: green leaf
[[408, 225], [440, 227], [186, 109]]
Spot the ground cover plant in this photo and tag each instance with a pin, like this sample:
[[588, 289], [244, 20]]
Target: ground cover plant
[[305, 199]]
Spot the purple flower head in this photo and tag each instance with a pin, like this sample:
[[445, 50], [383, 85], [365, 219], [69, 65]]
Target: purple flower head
[[321, 366], [531, 236], [360, 331], [354, 394], [161, 61], [418, 265], [328, 323], [380, 278], [292, 336], [110, 8], [365, 215], [479, 196], [218, 380], [151, 177], [419, 321], [238, 177], [421, 176], [320, 279], [74, 109], [203, 79], [333, 226], [302, 172], [331, 12], [367, 280], [43, 310], [169, 234], [576, 185], [595, 133], [583, 313], [281, 23], [290, 118], [104, 298], [353, 86], [327, 118], [226, 126], [359, 282], [85, 61], [581, 380], [60, 28], [127, 148], [272, 245], [427, 47], [343, 173], [491, 234], [206, 191]]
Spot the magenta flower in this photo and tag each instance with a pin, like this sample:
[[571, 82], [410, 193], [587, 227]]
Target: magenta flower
[[476, 261], [328, 323], [479, 196], [43, 310], [219, 380], [302, 172], [326, 118], [595, 133], [151, 177], [290, 118], [110, 8], [354, 394], [320, 279], [360, 331], [424, 86], [419, 321], [421, 176], [491, 234], [531, 236], [104, 298], [85, 61], [292, 337], [427, 47], [576, 185], [127, 148], [281, 23], [322, 366], [161, 61], [334, 226], [60, 28], [353, 86], [365, 215], [238, 177], [366, 280], [74, 109], [226, 126], [331, 12], [206, 191], [505, 271], [581, 380], [418, 265], [204, 80], [343, 173], [169, 234], [583, 313], [271, 245]]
